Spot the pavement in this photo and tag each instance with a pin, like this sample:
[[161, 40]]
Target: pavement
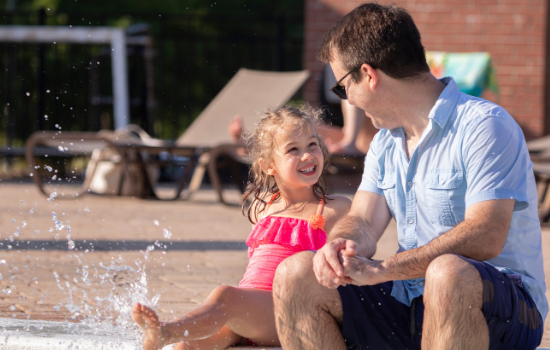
[[176, 253]]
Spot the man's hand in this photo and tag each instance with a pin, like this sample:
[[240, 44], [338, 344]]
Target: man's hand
[[362, 271], [326, 264]]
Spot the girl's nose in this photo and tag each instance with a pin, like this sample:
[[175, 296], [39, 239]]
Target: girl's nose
[[306, 156]]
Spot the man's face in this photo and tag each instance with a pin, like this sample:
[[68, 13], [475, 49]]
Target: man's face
[[352, 89], [366, 95]]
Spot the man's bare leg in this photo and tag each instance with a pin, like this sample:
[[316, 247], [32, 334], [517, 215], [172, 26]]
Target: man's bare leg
[[307, 314], [453, 298]]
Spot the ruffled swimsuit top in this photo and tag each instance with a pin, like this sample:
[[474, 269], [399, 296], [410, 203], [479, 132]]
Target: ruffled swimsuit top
[[274, 238]]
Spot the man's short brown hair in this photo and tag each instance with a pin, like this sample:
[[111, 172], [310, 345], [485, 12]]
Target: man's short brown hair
[[384, 37]]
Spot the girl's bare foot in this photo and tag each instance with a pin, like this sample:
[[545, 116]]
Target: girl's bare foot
[[148, 322]]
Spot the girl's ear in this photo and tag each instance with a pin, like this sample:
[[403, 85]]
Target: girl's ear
[[267, 168]]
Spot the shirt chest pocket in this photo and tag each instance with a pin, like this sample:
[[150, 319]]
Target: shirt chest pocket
[[387, 184], [445, 192]]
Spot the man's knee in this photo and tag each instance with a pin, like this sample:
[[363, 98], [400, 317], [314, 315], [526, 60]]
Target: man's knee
[[294, 271], [450, 268], [297, 293], [452, 276]]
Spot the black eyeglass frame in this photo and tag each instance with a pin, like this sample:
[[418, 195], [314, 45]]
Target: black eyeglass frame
[[338, 89]]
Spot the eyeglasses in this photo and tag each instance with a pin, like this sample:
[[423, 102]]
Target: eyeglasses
[[340, 90]]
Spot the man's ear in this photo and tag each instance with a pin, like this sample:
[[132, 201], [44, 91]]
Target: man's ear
[[371, 75]]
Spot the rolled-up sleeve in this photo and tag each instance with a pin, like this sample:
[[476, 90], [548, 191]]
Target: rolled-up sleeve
[[372, 168], [496, 162]]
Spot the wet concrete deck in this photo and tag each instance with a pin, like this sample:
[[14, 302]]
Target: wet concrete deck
[[203, 249]]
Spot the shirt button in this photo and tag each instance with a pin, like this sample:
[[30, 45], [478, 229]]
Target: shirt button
[[409, 183], [411, 220], [420, 284]]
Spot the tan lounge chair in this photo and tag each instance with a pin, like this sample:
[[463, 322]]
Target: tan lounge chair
[[246, 94]]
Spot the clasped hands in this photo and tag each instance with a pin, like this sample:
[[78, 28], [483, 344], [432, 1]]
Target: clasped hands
[[338, 264]]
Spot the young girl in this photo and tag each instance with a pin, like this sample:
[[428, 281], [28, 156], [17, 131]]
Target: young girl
[[291, 213]]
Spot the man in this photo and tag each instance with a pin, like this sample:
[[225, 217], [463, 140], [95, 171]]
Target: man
[[454, 172]]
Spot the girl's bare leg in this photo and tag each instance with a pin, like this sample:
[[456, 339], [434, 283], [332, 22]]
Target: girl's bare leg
[[246, 312], [221, 340]]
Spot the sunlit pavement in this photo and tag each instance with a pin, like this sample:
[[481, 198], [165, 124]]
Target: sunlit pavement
[[97, 278]]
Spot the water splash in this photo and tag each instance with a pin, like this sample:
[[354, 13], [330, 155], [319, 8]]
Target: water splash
[[127, 285]]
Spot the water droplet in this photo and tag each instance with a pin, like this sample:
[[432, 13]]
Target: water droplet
[[186, 333], [156, 222], [60, 148], [28, 94], [31, 211], [12, 308], [23, 224], [36, 232], [56, 308], [167, 234], [12, 220], [49, 168], [86, 210], [45, 116]]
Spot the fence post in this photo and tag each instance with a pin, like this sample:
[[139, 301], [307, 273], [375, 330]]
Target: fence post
[[10, 110], [278, 42], [119, 69], [40, 79]]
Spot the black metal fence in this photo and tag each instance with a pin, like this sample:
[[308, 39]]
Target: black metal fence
[[69, 86]]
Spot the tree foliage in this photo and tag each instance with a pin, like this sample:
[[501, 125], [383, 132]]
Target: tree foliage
[[220, 7]]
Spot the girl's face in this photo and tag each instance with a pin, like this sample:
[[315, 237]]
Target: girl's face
[[297, 160]]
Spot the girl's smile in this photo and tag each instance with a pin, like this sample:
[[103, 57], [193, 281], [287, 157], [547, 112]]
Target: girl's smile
[[309, 170]]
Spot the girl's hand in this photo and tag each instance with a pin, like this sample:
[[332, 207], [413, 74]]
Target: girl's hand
[[326, 264], [362, 271]]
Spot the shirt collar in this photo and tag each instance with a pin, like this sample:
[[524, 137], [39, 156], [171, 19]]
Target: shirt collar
[[445, 104]]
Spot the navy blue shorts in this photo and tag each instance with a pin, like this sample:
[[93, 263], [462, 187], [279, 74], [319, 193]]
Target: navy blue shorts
[[373, 319]]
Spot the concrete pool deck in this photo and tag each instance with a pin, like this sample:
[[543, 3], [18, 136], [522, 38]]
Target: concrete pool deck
[[206, 250]]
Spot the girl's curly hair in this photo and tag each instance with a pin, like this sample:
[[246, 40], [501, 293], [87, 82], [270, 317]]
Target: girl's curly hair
[[260, 146]]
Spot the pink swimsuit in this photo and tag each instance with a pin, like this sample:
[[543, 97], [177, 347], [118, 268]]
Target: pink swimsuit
[[275, 238]]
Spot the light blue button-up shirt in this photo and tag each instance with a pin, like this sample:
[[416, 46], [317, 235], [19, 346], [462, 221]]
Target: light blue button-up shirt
[[471, 151]]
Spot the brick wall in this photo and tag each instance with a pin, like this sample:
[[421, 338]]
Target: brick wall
[[512, 31]]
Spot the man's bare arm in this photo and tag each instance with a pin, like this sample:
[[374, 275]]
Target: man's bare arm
[[481, 236], [365, 223], [357, 232]]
